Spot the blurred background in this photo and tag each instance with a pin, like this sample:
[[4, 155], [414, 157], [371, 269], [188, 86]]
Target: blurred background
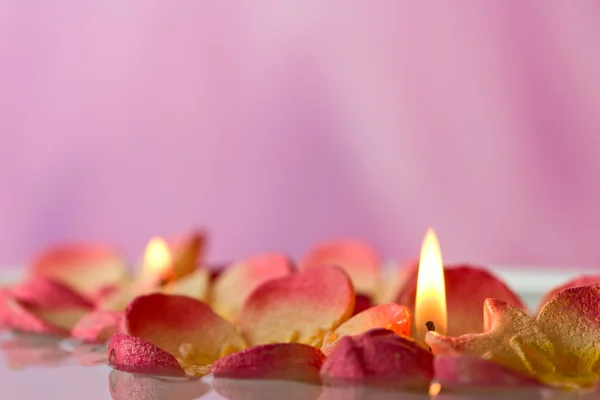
[[274, 125]]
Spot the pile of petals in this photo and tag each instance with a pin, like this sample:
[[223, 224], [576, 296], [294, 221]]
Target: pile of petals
[[332, 317]]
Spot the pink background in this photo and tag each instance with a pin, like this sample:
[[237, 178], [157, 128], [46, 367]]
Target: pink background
[[276, 124]]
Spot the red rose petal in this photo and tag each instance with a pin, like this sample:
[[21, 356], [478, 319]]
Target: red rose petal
[[391, 316], [361, 303], [98, 326], [467, 287], [301, 307], [84, 268], [579, 281], [379, 357], [279, 361], [182, 326], [130, 386], [470, 372], [132, 354], [234, 284], [360, 261]]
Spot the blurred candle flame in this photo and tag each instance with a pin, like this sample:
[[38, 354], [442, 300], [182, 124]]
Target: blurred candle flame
[[157, 258], [430, 303]]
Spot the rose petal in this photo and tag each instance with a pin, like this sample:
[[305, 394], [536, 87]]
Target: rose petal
[[471, 372], [130, 386], [194, 285], [301, 307], [279, 361], [571, 320], [188, 253], [98, 326], [84, 268], [579, 281], [18, 316], [132, 354], [510, 338], [235, 283], [182, 326], [245, 389], [391, 316], [357, 258], [380, 357], [361, 303], [466, 289], [47, 293]]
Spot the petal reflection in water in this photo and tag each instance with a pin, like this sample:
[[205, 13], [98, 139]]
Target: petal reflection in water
[[130, 386], [245, 389], [24, 350], [88, 355]]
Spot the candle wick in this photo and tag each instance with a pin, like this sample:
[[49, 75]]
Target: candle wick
[[430, 326]]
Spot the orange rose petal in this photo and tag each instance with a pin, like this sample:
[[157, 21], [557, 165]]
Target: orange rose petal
[[391, 316], [279, 361], [466, 289], [379, 357], [471, 372], [98, 326], [235, 283], [84, 268], [130, 386], [579, 281], [182, 326], [132, 354], [360, 261], [301, 307], [194, 285], [187, 253]]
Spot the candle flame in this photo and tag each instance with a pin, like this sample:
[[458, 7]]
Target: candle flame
[[430, 305], [157, 258]]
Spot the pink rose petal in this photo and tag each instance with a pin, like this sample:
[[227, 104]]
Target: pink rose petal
[[362, 302], [379, 357], [98, 326], [47, 293], [234, 284], [279, 361], [466, 289], [21, 318], [357, 258], [83, 267], [182, 326], [132, 354], [301, 307], [579, 281], [129, 386]]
